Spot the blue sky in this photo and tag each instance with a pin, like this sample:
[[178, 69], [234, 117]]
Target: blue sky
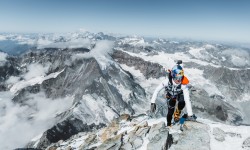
[[226, 20]]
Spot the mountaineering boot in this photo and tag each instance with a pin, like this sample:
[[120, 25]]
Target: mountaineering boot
[[191, 118], [177, 114]]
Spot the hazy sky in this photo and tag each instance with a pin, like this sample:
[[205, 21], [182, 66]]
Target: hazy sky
[[198, 19]]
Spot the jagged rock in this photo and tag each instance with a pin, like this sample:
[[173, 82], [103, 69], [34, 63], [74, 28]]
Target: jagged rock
[[159, 137], [127, 146], [145, 124], [194, 137], [44, 141], [131, 135], [148, 69], [155, 129], [9, 68], [219, 134], [112, 143], [137, 143], [109, 131], [88, 141], [90, 138], [69, 148], [162, 140], [142, 131], [63, 131], [246, 143], [234, 134], [125, 117], [223, 78], [176, 137], [215, 106], [52, 148], [135, 138]]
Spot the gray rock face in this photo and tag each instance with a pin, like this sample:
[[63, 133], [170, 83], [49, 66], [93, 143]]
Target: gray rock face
[[157, 135], [113, 143], [159, 138], [65, 130], [79, 78], [141, 136], [147, 68], [92, 138], [219, 134], [246, 143], [194, 137], [232, 83], [9, 68], [214, 108]]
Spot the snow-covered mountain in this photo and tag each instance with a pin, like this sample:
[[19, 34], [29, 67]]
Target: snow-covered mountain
[[61, 88]]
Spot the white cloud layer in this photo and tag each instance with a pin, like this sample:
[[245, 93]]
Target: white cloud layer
[[100, 52], [19, 124], [35, 70], [32, 80], [74, 43]]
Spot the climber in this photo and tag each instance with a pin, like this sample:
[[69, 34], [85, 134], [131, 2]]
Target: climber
[[176, 88]]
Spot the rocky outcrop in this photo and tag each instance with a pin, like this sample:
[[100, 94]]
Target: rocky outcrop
[[148, 69], [159, 137], [246, 143], [194, 137], [90, 79], [215, 108], [111, 143], [232, 83], [63, 131], [9, 68], [219, 134], [139, 134]]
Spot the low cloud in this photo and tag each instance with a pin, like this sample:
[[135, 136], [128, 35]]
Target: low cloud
[[31, 80], [35, 70], [12, 80], [19, 124], [74, 43], [100, 52]]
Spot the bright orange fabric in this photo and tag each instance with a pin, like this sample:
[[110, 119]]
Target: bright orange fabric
[[185, 80]]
